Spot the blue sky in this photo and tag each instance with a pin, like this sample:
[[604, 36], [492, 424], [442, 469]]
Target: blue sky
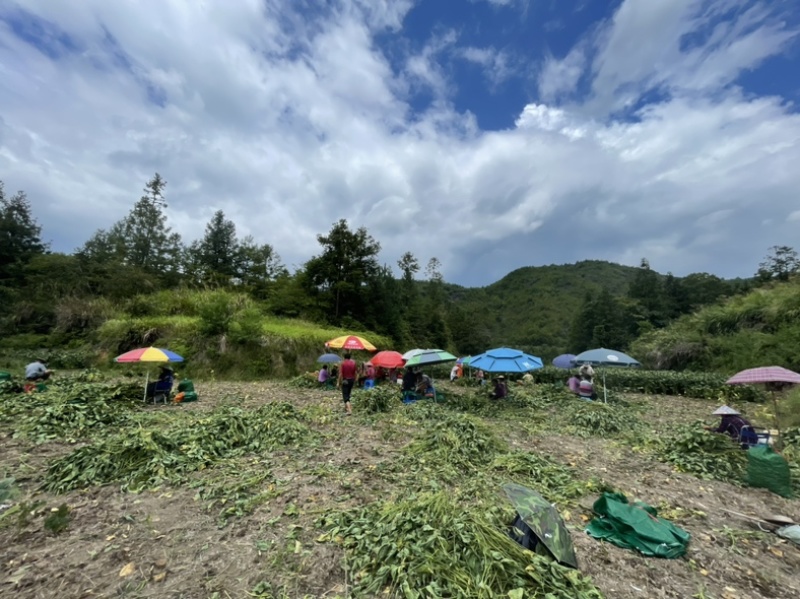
[[492, 134]]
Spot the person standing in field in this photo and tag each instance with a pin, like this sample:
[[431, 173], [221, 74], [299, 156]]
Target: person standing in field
[[347, 379]]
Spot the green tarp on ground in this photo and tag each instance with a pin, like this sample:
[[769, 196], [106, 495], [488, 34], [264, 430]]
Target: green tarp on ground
[[636, 526], [767, 469]]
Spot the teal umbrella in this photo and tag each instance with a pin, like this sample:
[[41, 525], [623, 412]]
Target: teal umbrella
[[429, 357]]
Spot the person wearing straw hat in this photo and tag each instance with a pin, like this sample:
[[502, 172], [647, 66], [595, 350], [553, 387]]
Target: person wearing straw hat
[[731, 423]]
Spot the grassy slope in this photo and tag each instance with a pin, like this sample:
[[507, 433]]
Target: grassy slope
[[757, 329], [533, 307]]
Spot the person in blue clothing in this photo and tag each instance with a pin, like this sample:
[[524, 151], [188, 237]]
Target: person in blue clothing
[[165, 379]]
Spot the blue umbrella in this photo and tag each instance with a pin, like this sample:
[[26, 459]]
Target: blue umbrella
[[329, 359], [605, 357], [564, 361], [505, 359]]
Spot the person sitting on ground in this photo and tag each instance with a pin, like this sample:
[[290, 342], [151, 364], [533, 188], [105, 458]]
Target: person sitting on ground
[[480, 376], [37, 371], [409, 379], [586, 389], [500, 390], [323, 376], [165, 378], [425, 385], [574, 383], [527, 379], [586, 371], [731, 423]]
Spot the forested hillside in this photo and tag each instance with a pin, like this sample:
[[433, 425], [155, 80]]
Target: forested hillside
[[759, 328], [122, 277]]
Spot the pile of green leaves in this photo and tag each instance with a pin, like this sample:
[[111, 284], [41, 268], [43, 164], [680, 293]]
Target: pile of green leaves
[[380, 398], [602, 420], [705, 454], [70, 409], [307, 380], [146, 458], [555, 482], [431, 546], [456, 440], [703, 385]]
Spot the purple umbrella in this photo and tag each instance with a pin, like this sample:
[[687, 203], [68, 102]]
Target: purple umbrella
[[564, 361]]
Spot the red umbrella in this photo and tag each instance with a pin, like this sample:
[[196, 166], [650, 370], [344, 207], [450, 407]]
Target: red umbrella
[[387, 359], [765, 376]]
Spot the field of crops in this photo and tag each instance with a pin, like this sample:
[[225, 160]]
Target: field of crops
[[269, 491]]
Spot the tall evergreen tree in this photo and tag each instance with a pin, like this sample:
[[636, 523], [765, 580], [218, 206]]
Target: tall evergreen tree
[[20, 237], [646, 289], [347, 265], [142, 239], [214, 257]]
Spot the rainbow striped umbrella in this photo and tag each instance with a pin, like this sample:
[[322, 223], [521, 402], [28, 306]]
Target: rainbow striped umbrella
[[148, 354], [350, 342]]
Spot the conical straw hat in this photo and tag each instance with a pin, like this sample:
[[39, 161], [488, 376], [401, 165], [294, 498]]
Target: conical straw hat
[[725, 411]]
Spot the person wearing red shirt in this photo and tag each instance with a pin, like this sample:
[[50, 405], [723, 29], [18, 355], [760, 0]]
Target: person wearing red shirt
[[347, 379]]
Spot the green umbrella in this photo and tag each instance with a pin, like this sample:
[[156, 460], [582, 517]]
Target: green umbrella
[[429, 357], [544, 521]]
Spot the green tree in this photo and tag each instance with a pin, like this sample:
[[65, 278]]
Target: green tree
[[340, 275], [602, 321], [142, 239], [647, 291], [780, 264], [20, 237], [258, 267], [703, 289], [215, 256], [676, 298]]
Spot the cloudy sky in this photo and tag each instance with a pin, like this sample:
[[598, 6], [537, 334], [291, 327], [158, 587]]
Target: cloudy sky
[[492, 134]]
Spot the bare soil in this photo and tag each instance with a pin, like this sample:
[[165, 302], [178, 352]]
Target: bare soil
[[167, 544]]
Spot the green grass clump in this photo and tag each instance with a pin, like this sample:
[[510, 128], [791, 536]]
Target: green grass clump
[[145, 458], [432, 546]]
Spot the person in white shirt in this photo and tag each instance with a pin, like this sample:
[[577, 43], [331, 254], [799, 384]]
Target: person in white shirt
[[37, 371], [454, 373]]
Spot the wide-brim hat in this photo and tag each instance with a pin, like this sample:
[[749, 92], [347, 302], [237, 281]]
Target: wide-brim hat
[[725, 411]]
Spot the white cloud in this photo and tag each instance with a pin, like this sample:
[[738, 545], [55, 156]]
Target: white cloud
[[289, 124], [496, 63], [644, 47], [561, 76]]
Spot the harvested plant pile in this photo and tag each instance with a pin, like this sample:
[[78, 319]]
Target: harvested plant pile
[[431, 546], [381, 398], [555, 482], [705, 454], [145, 458], [602, 420], [70, 409], [457, 441]]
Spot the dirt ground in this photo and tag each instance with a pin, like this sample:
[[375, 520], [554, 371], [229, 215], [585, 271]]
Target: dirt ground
[[167, 544]]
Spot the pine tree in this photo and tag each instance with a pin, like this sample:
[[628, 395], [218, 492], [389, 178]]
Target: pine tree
[[20, 237]]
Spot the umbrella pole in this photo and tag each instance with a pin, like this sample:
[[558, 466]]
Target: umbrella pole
[[146, 381], [779, 443], [605, 393]]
